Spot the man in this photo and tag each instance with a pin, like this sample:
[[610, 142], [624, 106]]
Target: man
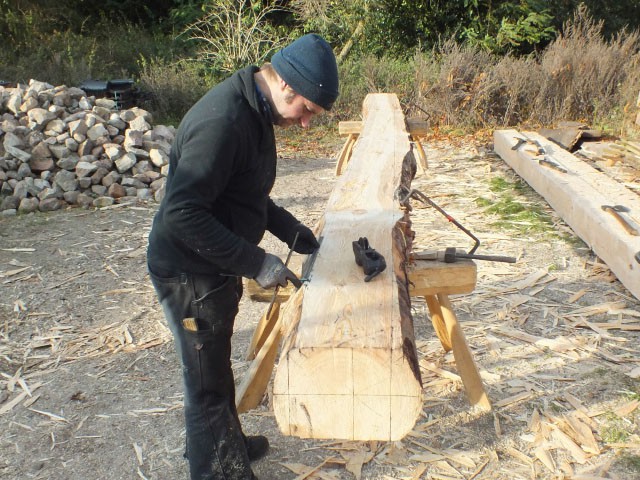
[[206, 232]]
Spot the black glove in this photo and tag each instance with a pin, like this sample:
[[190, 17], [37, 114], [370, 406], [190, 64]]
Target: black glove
[[274, 272], [306, 243]]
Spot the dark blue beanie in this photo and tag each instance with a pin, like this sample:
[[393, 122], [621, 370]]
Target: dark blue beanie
[[309, 66]]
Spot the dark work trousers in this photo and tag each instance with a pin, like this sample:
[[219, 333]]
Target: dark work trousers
[[215, 443]]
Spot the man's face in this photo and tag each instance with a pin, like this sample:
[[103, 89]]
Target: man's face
[[293, 109]]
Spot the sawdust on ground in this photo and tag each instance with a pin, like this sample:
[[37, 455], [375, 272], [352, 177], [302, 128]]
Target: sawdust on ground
[[90, 386]]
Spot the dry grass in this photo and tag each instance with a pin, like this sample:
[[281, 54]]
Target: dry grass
[[580, 76]]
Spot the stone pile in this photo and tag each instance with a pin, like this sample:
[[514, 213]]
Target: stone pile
[[59, 147]]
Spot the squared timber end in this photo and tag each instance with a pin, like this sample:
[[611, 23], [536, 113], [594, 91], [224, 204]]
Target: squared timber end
[[430, 277]]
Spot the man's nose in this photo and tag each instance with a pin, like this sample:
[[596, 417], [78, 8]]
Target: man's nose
[[305, 120]]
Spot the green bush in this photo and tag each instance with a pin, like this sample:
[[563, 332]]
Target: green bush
[[171, 87]]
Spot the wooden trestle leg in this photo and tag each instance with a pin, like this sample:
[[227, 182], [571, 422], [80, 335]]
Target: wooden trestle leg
[[464, 359], [438, 322]]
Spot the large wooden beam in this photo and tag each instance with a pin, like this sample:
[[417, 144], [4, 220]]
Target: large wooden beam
[[348, 367], [578, 195]]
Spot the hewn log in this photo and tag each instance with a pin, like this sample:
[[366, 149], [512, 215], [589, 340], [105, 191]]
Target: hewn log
[[348, 367], [578, 196]]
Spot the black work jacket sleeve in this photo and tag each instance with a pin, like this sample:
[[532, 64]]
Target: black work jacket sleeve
[[198, 203], [281, 222]]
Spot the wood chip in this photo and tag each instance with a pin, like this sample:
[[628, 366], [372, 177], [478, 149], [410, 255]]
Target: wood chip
[[513, 399], [443, 373], [52, 416], [355, 461], [576, 296], [583, 435], [138, 450], [11, 273], [562, 440], [627, 408], [607, 307], [519, 455], [545, 458]]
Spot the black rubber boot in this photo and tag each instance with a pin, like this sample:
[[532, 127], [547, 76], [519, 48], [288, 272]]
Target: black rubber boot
[[257, 447]]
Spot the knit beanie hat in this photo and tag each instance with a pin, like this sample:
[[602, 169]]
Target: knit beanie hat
[[308, 65]]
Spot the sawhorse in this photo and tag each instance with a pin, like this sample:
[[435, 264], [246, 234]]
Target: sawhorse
[[433, 280]]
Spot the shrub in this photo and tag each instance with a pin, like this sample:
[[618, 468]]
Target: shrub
[[171, 87], [582, 72]]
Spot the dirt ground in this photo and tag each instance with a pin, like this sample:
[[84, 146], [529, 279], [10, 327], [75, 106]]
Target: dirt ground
[[90, 386]]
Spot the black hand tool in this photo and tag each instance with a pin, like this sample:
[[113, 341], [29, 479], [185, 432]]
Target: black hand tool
[[372, 262]]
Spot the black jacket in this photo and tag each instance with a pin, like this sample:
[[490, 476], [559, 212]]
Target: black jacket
[[222, 167]]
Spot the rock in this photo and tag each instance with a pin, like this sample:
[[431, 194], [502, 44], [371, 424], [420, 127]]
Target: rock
[[84, 200], [98, 175], [159, 194], [133, 138], [85, 147], [138, 152], [71, 197], [110, 178], [28, 104], [6, 189], [103, 112], [167, 133], [55, 127], [66, 180], [116, 190], [145, 194], [48, 193], [84, 183], [106, 103], [142, 166], [10, 202], [28, 205], [60, 147], [13, 104], [85, 169], [12, 140], [21, 189], [41, 165], [132, 182], [125, 162], [40, 152], [51, 204], [24, 171], [158, 184], [38, 86], [38, 117], [113, 151], [139, 124], [158, 157], [85, 104], [68, 163], [102, 202], [71, 144], [140, 112], [78, 127], [59, 151], [117, 122], [19, 154], [97, 131]]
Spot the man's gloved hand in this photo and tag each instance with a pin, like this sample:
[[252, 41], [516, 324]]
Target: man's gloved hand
[[306, 243], [274, 272]]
